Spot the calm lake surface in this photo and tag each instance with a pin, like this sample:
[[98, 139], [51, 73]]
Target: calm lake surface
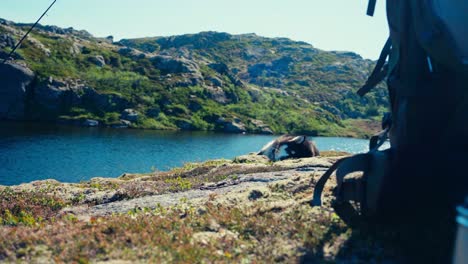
[[31, 152]]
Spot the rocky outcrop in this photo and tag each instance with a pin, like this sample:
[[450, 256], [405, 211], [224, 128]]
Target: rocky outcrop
[[14, 81], [36, 43], [198, 41], [7, 40], [56, 93], [232, 126], [223, 69], [76, 48], [130, 52], [98, 60], [261, 127], [276, 68], [217, 94], [169, 64], [121, 124], [187, 71], [130, 115]]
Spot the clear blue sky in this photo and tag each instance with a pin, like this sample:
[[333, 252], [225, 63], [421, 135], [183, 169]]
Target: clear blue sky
[[326, 24]]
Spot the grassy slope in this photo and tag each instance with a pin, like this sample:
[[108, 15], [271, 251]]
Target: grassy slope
[[316, 100]]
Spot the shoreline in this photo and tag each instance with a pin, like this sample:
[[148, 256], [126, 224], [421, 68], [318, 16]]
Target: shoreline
[[59, 124]]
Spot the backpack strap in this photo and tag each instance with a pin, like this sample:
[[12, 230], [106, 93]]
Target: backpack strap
[[377, 140], [366, 190], [380, 70], [342, 167]]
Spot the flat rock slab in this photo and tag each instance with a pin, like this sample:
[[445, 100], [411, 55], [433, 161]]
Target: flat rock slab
[[244, 182]]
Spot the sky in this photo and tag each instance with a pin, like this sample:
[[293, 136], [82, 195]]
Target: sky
[[326, 24]]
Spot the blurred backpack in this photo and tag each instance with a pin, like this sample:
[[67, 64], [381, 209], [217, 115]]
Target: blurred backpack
[[427, 79]]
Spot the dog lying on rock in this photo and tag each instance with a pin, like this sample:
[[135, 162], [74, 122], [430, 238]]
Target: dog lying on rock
[[295, 147]]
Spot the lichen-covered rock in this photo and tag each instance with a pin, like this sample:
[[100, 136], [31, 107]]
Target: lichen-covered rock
[[170, 64], [217, 94], [252, 158]]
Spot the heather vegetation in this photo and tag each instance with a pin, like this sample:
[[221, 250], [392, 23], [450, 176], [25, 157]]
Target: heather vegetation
[[240, 219]]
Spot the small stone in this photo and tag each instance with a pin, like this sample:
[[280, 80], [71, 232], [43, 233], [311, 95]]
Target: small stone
[[90, 123]]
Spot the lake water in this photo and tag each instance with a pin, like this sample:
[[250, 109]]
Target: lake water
[[71, 154]]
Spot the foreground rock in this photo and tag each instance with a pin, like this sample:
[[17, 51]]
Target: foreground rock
[[244, 210]]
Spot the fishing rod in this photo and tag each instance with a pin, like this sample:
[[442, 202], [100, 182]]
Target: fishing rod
[[27, 33]]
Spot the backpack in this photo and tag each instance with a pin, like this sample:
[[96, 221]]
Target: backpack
[[427, 80]]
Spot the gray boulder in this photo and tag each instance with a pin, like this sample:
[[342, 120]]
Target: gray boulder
[[170, 64], [122, 124], [15, 79], [133, 53], [223, 69], [98, 60], [55, 93], [261, 127], [231, 126], [130, 115], [90, 123], [217, 94], [7, 40], [186, 80], [216, 81], [76, 48]]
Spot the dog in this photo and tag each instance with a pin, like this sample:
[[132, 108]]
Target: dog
[[296, 147]]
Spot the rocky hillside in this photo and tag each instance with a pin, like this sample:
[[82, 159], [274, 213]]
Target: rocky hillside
[[205, 81]]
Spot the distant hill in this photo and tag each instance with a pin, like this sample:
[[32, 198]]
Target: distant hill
[[205, 81]]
